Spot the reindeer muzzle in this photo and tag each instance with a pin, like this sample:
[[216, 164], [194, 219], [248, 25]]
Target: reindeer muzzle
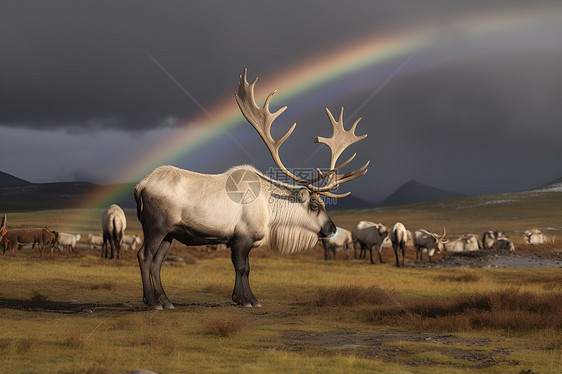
[[327, 230]]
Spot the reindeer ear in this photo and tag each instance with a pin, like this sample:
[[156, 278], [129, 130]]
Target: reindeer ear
[[303, 195], [3, 225]]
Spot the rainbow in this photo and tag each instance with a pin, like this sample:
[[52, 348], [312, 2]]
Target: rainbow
[[356, 67]]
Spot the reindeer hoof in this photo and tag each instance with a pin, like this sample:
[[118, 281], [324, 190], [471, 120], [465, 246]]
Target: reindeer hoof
[[168, 305]]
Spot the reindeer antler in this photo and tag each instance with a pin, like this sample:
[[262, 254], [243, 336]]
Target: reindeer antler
[[262, 119], [340, 140]]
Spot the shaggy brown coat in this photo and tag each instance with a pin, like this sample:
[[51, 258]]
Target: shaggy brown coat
[[15, 238]]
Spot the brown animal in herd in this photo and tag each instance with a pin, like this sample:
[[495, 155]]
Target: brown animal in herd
[[42, 237]]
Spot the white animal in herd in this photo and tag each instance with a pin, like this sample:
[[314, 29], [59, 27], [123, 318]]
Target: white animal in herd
[[428, 242], [489, 238], [196, 209], [505, 243], [341, 239], [467, 243], [131, 241], [69, 240], [368, 235], [399, 236], [113, 223], [534, 236], [95, 240]]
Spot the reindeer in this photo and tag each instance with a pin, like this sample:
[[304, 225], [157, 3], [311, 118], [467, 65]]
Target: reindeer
[[241, 208], [534, 236], [131, 241], [113, 223], [425, 241], [95, 240], [399, 236], [342, 238], [489, 238], [69, 240], [16, 238], [467, 243], [368, 235], [3, 230]]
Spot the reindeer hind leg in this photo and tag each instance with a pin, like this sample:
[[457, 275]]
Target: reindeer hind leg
[[145, 257], [155, 267]]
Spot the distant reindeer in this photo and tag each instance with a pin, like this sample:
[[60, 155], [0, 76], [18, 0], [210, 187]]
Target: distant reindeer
[[489, 238], [429, 242], [69, 240], [113, 223], [368, 235], [504, 243], [42, 237], [534, 236], [95, 240], [341, 239], [467, 243], [198, 209], [399, 237], [132, 241]]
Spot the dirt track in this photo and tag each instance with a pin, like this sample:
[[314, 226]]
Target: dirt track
[[388, 346], [484, 259]]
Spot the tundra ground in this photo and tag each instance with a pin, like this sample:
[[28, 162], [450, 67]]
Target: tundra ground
[[79, 313], [485, 311]]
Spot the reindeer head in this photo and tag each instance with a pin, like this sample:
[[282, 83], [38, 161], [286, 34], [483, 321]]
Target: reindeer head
[[440, 241]]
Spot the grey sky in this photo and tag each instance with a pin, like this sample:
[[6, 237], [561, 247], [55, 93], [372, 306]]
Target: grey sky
[[81, 99]]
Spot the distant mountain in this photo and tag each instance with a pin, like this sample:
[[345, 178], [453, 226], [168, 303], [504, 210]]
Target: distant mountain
[[552, 186], [415, 192], [9, 180]]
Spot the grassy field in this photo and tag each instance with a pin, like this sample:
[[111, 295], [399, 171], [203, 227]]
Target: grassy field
[[81, 314]]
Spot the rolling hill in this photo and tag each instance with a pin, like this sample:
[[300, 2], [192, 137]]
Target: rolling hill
[[7, 180], [18, 195], [415, 192], [552, 186]]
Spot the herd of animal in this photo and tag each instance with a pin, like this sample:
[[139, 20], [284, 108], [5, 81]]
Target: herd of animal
[[113, 237], [367, 236]]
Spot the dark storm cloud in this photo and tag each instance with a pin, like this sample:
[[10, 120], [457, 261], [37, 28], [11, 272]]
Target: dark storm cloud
[[84, 69], [84, 65]]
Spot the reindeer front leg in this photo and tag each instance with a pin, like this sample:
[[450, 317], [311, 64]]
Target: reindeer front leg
[[242, 293]]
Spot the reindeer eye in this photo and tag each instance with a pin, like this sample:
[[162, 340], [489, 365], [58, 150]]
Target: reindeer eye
[[314, 206]]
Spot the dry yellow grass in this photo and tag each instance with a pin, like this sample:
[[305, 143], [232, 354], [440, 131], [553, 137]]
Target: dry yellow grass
[[80, 313]]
